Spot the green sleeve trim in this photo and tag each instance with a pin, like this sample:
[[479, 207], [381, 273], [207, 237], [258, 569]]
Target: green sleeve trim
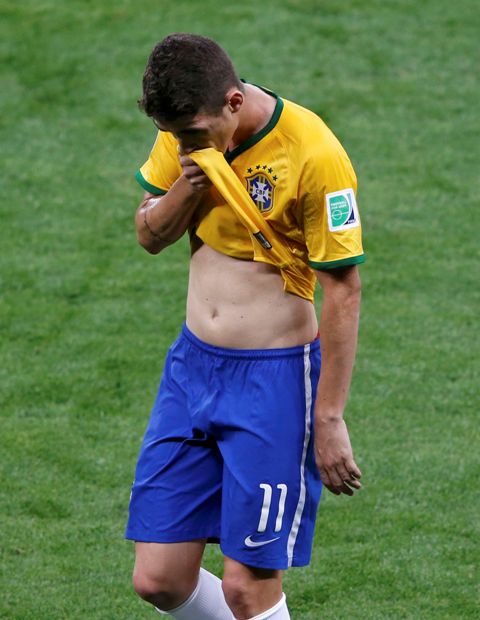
[[148, 186], [343, 262]]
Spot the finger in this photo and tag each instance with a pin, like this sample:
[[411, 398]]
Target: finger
[[335, 477], [356, 484], [199, 179], [187, 161], [333, 490], [324, 475], [346, 490], [325, 478], [348, 477], [343, 473], [346, 487], [353, 469], [348, 482], [194, 173], [343, 489], [200, 186], [337, 483]]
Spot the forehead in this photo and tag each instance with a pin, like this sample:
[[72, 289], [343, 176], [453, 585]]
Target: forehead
[[201, 121]]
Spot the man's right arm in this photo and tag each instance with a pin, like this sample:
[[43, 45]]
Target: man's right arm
[[162, 220]]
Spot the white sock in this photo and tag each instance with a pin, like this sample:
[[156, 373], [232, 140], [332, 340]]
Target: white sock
[[205, 603], [277, 612]]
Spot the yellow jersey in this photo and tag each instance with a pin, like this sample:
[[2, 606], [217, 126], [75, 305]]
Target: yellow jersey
[[301, 181]]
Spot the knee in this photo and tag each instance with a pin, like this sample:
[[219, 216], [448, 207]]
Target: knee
[[161, 590], [239, 594], [249, 591], [146, 587]]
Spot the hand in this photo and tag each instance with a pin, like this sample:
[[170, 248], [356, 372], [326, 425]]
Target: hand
[[334, 457], [194, 174]]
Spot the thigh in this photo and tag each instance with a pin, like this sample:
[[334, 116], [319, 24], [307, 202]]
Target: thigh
[[271, 486], [176, 494]]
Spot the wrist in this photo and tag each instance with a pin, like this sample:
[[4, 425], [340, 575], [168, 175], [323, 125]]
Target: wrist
[[329, 417]]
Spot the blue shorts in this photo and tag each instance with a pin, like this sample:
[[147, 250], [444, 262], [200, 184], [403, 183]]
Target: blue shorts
[[228, 453]]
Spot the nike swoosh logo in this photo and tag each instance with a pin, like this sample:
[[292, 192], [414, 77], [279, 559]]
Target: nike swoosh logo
[[252, 543]]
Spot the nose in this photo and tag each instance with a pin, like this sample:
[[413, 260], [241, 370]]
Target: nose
[[186, 150], [193, 143]]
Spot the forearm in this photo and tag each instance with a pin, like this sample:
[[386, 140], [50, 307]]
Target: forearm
[[338, 337], [160, 221]]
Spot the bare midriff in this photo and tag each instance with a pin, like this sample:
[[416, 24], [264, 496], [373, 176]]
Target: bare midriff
[[242, 304]]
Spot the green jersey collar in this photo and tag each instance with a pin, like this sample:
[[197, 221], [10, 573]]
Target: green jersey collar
[[252, 140]]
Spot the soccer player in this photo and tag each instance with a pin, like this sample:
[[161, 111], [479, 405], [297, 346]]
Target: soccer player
[[247, 423]]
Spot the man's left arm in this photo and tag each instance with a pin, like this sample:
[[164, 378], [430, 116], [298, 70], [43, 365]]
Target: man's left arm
[[338, 340]]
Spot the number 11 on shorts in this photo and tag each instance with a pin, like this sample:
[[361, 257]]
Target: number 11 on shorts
[[267, 502]]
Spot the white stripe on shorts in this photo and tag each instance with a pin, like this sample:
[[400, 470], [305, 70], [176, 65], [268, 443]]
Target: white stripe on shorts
[[292, 538]]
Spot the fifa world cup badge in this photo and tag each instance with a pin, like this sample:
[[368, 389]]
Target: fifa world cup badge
[[342, 210]]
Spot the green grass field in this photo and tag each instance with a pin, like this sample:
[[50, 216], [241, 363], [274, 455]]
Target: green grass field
[[86, 316]]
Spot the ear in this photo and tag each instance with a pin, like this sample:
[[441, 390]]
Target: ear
[[235, 100]]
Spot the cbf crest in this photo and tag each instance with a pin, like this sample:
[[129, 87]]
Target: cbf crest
[[261, 187]]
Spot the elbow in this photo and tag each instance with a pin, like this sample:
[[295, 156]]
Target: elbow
[[152, 246], [153, 249]]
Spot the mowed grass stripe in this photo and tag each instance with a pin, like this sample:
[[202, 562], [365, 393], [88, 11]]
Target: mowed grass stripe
[[86, 316]]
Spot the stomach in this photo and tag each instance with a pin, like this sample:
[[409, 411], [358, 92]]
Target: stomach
[[242, 304]]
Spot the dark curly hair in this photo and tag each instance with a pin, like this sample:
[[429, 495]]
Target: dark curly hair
[[186, 73]]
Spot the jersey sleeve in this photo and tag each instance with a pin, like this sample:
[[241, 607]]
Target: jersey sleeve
[[162, 168], [331, 221]]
